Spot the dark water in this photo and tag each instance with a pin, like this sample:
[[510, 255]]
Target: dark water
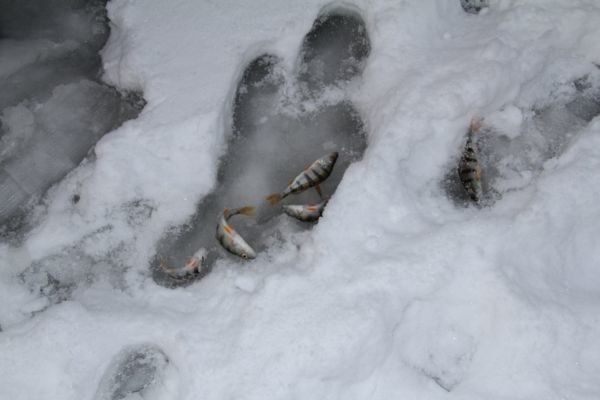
[[280, 124], [53, 106]]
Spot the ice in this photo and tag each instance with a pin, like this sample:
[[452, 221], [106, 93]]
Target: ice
[[52, 111], [46, 43], [279, 127], [43, 142], [335, 49], [132, 373]]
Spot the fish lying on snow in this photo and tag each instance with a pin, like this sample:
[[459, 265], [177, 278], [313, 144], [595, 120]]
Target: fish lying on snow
[[469, 169], [313, 175], [191, 267], [229, 238], [306, 213]]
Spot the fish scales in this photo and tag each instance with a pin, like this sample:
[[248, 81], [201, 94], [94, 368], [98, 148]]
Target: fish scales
[[469, 168], [306, 213], [229, 238], [312, 176]]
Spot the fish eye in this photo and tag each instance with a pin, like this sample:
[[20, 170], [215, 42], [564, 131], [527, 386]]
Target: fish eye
[[244, 256]]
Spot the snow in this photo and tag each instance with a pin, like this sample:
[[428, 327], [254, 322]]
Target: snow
[[401, 290]]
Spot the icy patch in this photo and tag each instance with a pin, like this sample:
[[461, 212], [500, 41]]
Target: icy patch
[[133, 374], [280, 126], [43, 142], [52, 109]]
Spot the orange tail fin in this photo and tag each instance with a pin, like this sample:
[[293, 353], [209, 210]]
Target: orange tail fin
[[274, 198], [247, 210], [165, 267]]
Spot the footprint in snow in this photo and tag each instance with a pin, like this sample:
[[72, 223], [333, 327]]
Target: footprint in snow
[[281, 121], [512, 156], [136, 372]]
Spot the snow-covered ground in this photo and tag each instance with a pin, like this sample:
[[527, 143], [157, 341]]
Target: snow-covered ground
[[400, 291]]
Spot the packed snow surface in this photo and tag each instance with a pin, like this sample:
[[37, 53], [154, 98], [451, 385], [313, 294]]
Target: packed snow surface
[[402, 290]]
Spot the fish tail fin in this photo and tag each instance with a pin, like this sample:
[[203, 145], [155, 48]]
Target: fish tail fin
[[246, 210], [193, 264], [165, 267], [230, 212], [475, 125], [227, 213], [274, 198]]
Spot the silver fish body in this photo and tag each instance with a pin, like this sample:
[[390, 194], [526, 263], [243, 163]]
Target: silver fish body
[[306, 213], [469, 168], [229, 238]]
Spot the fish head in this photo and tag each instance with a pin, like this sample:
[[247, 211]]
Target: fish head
[[328, 160], [248, 253]]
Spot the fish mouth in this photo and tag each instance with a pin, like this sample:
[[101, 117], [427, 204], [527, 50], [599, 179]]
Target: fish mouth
[[333, 156]]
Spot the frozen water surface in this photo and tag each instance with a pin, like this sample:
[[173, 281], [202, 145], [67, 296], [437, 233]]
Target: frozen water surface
[[132, 373], [279, 126], [52, 107]]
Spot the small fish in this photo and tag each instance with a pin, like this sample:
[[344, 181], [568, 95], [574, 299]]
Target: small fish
[[191, 267], [469, 169], [229, 238], [306, 213], [312, 175]]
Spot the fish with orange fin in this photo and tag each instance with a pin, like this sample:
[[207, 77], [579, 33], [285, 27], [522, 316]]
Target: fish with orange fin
[[191, 267], [312, 176], [306, 213], [229, 238], [469, 169]]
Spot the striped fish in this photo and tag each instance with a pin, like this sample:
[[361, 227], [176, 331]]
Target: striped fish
[[229, 238], [313, 175], [306, 213], [469, 169], [191, 267]]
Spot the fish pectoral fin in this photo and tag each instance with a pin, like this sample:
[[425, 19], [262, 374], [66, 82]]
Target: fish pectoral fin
[[318, 189]]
